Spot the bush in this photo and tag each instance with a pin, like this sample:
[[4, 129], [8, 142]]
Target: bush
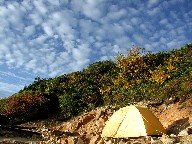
[[70, 105], [137, 69], [29, 105]]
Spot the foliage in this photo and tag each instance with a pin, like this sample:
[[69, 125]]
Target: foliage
[[82, 91], [134, 77], [162, 73], [140, 69], [2, 105], [70, 105], [28, 105]]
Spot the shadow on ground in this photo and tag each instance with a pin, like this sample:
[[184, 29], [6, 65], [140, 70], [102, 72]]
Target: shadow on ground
[[177, 126]]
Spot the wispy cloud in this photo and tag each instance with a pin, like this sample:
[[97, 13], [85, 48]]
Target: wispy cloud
[[8, 89], [9, 74]]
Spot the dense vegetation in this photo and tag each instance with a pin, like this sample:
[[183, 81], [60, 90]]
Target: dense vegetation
[[136, 76]]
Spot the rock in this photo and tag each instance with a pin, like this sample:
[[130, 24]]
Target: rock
[[189, 131], [79, 141], [186, 139], [65, 141], [99, 114], [86, 118], [186, 131], [95, 139], [183, 132], [57, 132], [101, 141], [72, 126], [165, 139], [100, 124], [111, 141]]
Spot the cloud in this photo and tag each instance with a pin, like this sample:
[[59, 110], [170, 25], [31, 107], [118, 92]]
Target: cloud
[[86, 28], [48, 29], [29, 30], [89, 8], [154, 11], [139, 39], [128, 27], [80, 56], [47, 38], [163, 21], [152, 3], [40, 7], [135, 21], [35, 18], [116, 15], [8, 89], [1, 1], [13, 81], [132, 11]]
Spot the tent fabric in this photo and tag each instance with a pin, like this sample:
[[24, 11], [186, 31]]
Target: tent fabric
[[132, 121]]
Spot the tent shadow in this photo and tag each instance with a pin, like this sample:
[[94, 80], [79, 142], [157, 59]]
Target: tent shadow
[[177, 126]]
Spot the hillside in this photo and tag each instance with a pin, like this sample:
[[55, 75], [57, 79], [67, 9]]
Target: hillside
[[161, 80]]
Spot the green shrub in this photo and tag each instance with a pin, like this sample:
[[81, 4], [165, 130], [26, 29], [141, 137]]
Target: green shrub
[[70, 105]]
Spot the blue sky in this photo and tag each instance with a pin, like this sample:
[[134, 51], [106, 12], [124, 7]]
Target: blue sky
[[48, 38]]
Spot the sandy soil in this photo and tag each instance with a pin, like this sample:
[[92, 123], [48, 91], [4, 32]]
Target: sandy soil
[[87, 128]]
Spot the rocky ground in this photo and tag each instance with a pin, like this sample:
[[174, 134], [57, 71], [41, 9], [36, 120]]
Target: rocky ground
[[87, 128]]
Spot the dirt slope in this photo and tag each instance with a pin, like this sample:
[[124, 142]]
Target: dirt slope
[[87, 128]]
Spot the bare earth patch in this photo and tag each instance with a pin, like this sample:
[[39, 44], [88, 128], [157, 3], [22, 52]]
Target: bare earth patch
[[87, 128]]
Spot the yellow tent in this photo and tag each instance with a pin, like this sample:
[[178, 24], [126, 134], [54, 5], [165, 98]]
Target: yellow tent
[[132, 121]]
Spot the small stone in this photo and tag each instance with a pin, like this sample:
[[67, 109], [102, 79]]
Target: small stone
[[79, 141], [57, 132], [189, 131], [172, 135], [167, 140], [101, 141], [98, 114], [95, 139], [190, 112]]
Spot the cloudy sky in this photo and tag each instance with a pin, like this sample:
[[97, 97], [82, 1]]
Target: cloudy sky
[[48, 38]]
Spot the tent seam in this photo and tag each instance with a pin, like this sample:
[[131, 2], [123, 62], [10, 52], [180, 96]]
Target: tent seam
[[150, 124], [120, 124]]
